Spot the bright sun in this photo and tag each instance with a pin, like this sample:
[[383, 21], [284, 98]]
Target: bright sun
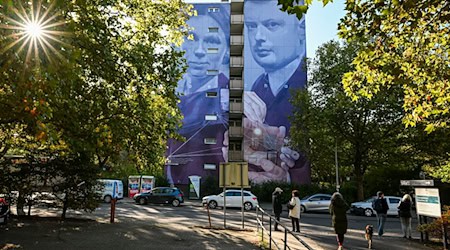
[[34, 30]]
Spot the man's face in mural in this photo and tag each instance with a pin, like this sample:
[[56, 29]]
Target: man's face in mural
[[274, 36], [197, 56]]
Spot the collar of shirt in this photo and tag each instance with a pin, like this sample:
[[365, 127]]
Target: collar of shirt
[[185, 85], [278, 79]]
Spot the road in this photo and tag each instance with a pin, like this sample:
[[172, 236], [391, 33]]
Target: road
[[184, 226]]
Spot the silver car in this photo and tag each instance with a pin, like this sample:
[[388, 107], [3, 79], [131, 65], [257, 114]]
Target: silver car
[[315, 202]]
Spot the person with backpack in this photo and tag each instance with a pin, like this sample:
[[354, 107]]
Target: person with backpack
[[381, 207], [276, 205], [404, 212]]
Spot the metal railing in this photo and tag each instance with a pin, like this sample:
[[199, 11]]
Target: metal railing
[[260, 225]]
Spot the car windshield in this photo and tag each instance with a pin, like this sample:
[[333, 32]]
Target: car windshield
[[306, 197], [370, 199]]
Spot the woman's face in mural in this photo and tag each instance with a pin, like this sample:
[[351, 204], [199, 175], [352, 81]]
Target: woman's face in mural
[[197, 56]]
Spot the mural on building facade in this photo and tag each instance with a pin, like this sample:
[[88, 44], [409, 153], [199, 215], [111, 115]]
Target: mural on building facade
[[204, 95], [275, 48]]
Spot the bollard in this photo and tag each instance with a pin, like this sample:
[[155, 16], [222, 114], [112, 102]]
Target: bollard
[[113, 210]]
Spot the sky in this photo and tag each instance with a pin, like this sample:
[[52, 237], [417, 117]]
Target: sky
[[321, 24]]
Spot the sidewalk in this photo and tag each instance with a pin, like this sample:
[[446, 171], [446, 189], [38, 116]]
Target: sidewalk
[[323, 237]]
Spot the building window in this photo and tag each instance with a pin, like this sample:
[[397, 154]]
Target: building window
[[235, 123], [213, 50], [209, 166], [210, 141], [235, 146], [235, 100], [212, 72], [211, 94], [213, 9], [213, 29], [211, 117]]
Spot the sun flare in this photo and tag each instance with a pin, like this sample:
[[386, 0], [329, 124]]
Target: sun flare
[[35, 29]]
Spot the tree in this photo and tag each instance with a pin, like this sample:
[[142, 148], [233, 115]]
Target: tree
[[99, 81], [367, 133], [406, 45], [298, 7], [103, 84]]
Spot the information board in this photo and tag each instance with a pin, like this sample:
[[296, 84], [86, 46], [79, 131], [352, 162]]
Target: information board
[[428, 202]]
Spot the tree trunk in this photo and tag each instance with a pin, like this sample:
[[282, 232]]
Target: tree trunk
[[20, 204], [359, 182], [65, 203]]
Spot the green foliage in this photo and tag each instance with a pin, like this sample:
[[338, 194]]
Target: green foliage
[[264, 190], [102, 90], [434, 228], [405, 45], [296, 7], [210, 186], [365, 133]]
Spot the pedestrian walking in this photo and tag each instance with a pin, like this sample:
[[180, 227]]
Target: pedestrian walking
[[381, 207], [338, 211], [404, 212], [294, 211], [276, 205]]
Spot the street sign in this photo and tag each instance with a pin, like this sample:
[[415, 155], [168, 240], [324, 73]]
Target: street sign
[[417, 183], [233, 175], [427, 202]]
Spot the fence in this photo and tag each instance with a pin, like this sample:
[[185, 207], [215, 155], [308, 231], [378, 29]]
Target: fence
[[262, 217]]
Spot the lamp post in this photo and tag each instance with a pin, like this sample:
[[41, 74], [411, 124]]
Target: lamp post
[[337, 166]]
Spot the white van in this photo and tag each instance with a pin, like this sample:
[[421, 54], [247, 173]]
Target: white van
[[112, 189]]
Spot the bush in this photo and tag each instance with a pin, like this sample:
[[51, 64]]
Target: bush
[[434, 228], [264, 190], [210, 186]]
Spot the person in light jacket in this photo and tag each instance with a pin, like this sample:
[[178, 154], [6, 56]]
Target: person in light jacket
[[404, 212], [294, 212]]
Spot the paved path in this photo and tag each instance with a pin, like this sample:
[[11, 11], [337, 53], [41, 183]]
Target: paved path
[[165, 227]]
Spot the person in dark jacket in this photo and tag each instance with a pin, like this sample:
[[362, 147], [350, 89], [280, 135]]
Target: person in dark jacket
[[381, 207], [404, 212], [276, 205], [338, 211]]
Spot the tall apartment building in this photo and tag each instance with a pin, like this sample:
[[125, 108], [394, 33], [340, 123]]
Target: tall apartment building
[[244, 59]]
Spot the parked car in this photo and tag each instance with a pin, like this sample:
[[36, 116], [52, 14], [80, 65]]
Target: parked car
[[315, 202], [233, 199], [108, 192], [365, 207], [161, 195]]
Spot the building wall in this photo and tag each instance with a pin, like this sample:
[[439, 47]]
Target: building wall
[[204, 95], [223, 121], [274, 52]]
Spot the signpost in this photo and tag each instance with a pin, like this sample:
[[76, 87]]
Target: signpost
[[427, 203], [235, 175]]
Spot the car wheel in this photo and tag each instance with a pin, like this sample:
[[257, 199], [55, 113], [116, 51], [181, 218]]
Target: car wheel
[[175, 203], [142, 201], [302, 209], [212, 204], [248, 206], [368, 212], [107, 199]]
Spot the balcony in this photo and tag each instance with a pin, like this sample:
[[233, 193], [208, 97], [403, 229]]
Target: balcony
[[237, 19], [236, 107], [235, 155], [237, 40], [236, 61], [235, 131], [236, 84]]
